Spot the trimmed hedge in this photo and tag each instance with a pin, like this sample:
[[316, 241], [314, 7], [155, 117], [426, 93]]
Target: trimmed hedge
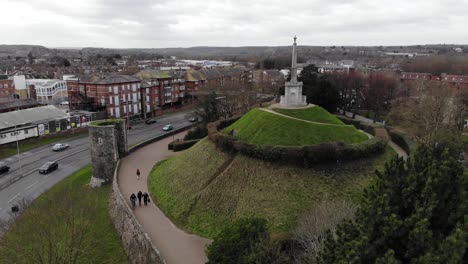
[[362, 126], [402, 140], [197, 132], [184, 144], [306, 156]]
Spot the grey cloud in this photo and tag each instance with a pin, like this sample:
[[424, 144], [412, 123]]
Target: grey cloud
[[164, 23]]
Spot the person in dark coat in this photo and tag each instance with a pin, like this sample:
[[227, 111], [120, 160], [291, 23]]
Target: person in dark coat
[[138, 174], [145, 198], [140, 195], [133, 200]]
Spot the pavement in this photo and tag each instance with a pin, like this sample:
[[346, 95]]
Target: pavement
[[174, 244], [31, 184]]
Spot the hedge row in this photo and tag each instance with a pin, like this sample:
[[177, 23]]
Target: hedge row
[[305, 156], [184, 144], [362, 126], [402, 140]]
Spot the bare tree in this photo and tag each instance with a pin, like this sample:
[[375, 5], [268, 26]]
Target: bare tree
[[435, 109], [311, 230]]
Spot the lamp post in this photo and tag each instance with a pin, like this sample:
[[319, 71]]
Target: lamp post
[[128, 119], [17, 146]]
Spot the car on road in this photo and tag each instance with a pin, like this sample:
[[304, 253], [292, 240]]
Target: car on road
[[150, 121], [60, 147], [4, 169], [193, 119], [168, 127], [48, 167]]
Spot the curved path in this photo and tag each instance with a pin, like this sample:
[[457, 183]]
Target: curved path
[[174, 244]]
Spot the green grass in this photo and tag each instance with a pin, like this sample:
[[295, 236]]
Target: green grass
[[70, 206], [316, 113], [202, 189], [35, 143], [264, 128]]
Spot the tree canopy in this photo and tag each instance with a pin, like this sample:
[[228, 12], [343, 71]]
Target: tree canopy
[[416, 212]]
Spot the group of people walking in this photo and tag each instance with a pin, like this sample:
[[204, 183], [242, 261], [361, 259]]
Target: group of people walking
[[140, 196]]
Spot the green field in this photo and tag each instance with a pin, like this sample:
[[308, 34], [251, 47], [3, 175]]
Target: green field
[[316, 113], [71, 218], [37, 142], [264, 128], [203, 189]]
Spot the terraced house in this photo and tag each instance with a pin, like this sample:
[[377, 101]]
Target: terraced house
[[118, 95]]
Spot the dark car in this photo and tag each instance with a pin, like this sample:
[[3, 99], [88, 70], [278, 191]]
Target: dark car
[[150, 121], [48, 167], [4, 169], [193, 119]]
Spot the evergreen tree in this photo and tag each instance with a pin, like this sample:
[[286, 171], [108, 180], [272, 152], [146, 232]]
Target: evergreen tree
[[415, 212]]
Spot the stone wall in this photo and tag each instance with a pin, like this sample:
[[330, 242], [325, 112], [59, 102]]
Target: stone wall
[[137, 244]]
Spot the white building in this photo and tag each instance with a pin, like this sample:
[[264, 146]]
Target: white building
[[49, 91]]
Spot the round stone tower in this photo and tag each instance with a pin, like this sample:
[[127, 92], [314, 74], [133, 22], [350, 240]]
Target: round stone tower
[[108, 145]]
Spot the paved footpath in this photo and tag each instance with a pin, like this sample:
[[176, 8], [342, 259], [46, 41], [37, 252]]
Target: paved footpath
[[174, 244]]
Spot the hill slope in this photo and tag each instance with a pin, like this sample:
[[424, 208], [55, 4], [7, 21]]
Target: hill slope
[[203, 189], [264, 128], [316, 113]]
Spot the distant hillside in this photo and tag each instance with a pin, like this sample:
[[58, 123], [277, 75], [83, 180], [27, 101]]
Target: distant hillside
[[22, 50]]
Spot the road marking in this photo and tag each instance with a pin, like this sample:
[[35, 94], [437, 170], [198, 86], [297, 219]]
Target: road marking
[[14, 197], [30, 186]]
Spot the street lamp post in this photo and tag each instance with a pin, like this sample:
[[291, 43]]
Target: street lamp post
[[128, 120], [17, 147]]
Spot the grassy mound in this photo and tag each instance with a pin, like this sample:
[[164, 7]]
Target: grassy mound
[[316, 113], [69, 219], [203, 189], [264, 128]]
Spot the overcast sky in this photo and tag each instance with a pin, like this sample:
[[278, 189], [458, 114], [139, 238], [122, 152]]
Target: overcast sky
[[177, 23]]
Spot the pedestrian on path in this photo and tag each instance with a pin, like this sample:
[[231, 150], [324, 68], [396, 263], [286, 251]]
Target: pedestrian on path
[[138, 174], [146, 198], [133, 200], [140, 195]]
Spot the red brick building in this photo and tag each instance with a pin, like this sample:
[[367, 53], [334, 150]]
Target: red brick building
[[457, 83], [6, 88], [161, 90], [118, 95]]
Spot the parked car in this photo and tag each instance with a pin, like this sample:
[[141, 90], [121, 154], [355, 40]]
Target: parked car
[[4, 169], [168, 127], [48, 167], [193, 119], [60, 147], [150, 121]]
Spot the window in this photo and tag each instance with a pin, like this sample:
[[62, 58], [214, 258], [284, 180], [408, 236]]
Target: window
[[134, 87], [147, 90], [26, 131], [116, 89]]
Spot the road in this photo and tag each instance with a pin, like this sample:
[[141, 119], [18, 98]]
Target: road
[[70, 160]]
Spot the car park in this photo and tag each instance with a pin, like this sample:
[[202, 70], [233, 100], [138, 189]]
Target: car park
[[168, 127], [60, 147], [4, 169], [48, 167], [150, 121]]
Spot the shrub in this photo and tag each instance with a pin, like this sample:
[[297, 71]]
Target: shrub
[[236, 242], [363, 149], [401, 140], [185, 144], [362, 126], [197, 132]]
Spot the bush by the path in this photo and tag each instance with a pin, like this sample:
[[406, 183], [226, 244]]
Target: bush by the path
[[197, 132], [184, 144]]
